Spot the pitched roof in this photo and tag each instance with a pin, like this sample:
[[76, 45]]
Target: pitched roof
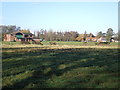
[[26, 33]]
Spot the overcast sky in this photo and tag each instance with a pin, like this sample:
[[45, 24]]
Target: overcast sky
[[62, 16]]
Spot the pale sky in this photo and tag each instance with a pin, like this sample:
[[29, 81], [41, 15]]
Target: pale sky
[[62, 16]]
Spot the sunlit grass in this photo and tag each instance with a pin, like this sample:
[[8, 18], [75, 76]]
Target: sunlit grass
[[60, 66]]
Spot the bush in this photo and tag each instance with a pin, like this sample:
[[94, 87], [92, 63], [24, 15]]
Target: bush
[[52, 43]]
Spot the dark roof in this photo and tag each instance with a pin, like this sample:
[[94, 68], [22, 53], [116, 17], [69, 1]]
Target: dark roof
[[26, 33]]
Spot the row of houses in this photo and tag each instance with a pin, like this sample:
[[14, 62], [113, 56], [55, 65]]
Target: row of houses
[[92, 38], [27, 36]]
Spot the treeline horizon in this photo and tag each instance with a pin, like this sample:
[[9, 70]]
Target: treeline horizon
[[51, 35]]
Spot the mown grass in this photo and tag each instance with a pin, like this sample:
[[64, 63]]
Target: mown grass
[[10, 43], [60, 68], [62, 43], [77, 43]]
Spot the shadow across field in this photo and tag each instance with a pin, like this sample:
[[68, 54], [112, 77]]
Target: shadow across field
[[46, 64]]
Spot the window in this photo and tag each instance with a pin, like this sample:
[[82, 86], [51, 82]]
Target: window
[[26, 35]]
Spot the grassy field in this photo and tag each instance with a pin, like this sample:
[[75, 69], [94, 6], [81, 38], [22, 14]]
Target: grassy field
[[61, 43], [65, 65]]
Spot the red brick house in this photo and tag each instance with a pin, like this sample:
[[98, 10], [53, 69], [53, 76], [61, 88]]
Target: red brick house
[[18, 36]]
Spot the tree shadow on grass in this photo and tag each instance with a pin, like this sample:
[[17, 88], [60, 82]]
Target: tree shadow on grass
[[93, 57]]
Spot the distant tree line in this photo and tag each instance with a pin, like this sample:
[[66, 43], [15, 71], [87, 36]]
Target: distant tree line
[[50, 35], [7, 29], [56, 36]]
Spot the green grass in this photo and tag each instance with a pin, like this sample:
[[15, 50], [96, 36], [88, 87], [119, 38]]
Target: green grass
[[76, 43], [64, 68], [63, 43], [10, 43], [60, 68]]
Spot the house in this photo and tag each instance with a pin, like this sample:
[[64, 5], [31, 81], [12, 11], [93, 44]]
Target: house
[[8, 37], [23, 36], [113, 39], [18, 36], [89, 38], [80, 37], [93, 39], [102, 39]]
